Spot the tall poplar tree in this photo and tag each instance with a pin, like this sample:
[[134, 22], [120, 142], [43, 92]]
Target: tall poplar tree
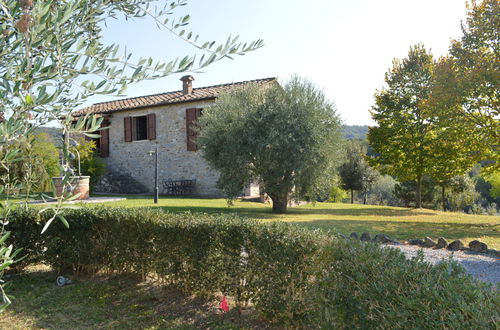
[[457, 144], [403, 138]]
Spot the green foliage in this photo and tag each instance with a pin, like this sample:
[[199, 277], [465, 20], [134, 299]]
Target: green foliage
[[494, 180], [53, 58], [196, 253], [46, 152], [355, 173], [285, 138], [462, 193], [405, 192], [55, 134], [372, 288], [38, 162], [475, 60], [7, 258], [90, 162], [349, 172], [419, 132], [402, 138], [293, 277], [382, 191], [337, 194]]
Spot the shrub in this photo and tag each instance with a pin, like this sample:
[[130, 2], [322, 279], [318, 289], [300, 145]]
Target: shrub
[[38, 163], [90, 162], [337, 194], [293, 276], [405, 192], [363, 286], [462, 192], [382, 191]]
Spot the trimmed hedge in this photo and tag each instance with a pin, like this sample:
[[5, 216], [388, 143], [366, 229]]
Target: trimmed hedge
[[293, 276]]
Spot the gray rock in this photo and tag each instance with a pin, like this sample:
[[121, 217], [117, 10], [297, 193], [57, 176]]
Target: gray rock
[[442, 243], [343, 236], [478, 246], [428, 242], [381, 238], [416, 242], [494, 252], [365, 237], [354, 235], [456, 245]]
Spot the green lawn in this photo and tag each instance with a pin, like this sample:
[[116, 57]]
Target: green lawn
[[400, 223], [117, 302], [125, 303]]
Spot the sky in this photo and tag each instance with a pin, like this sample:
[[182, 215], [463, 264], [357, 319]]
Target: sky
[[343, 46]]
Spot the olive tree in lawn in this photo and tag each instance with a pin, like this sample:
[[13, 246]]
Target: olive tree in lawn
[[286, 138]]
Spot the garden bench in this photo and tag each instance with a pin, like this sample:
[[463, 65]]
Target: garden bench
[[178, 187]]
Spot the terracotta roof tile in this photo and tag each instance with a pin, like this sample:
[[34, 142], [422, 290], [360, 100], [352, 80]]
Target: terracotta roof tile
[[198, 94]]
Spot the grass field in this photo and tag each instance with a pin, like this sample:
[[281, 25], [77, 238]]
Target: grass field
[[399, 223], [112, 303]]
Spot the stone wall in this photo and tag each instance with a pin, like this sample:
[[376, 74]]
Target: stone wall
[[175, 162]]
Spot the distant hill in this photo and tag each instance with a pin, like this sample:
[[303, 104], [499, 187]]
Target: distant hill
[[54, 132], [355, 132]]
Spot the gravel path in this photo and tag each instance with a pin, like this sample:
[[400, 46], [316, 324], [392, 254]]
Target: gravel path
[[482, 266]]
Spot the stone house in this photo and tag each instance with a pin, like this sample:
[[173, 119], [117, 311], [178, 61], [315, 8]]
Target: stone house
[[139, 125]]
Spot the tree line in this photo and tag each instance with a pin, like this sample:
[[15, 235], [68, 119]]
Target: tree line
[[475, 192], [439, 117]]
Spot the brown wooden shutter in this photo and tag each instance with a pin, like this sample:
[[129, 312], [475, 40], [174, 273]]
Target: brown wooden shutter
[[190, 129], [104, 142], [151, 126], [134, 128], [127, 124]]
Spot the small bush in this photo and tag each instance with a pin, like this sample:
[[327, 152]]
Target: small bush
[[90, 162], [38, 163], [364, 286], [337, 194], [293, 276]]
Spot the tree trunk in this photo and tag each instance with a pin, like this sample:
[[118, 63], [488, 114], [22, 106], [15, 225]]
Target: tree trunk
[[443, 197], [279, 203], [364, 197], [352, 196], [419, 192]]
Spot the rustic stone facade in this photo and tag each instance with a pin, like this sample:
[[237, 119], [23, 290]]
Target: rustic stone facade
[[175, 161], [140, 125]]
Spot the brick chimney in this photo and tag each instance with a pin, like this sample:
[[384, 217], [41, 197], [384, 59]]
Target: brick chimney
[[187, 85]]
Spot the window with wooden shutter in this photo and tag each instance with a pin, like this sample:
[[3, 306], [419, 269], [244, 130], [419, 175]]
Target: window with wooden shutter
[[127, 124], [151, 121], [192, 116], [104, 142], [140, 128]]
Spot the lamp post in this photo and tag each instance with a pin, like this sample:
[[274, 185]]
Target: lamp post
[[155, 152]]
